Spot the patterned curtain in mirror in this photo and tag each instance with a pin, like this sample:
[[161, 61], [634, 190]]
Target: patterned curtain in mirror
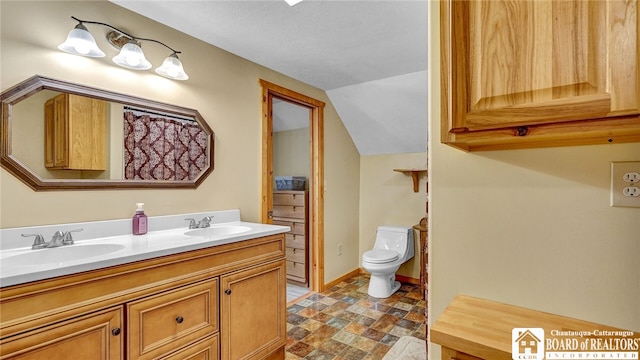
[[160, 147]]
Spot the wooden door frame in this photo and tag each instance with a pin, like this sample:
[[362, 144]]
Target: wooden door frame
[[316, 188]]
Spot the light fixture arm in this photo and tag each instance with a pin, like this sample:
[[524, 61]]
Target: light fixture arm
[[125, 34]]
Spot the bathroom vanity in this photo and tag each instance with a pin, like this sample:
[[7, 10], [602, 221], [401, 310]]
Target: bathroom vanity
[[222, 298]]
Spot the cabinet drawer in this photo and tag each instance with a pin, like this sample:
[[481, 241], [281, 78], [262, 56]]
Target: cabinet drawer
[[296, 255], [298, 228], [94, 336], [206, 349], [290, 211], [158, 324], [297, 199], [295, 241], [296, 269]]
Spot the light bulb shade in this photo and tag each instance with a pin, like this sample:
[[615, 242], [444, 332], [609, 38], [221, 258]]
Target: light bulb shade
[[80, 42], [172, 68], [132, 57]]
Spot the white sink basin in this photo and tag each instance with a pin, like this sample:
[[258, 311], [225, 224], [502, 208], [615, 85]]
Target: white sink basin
[[217, 231], [60, 254]]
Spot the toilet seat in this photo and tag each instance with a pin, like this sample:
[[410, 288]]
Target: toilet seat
[[380, 256]]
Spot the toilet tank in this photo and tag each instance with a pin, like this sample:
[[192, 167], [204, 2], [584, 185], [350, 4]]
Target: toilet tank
[[396, 238]]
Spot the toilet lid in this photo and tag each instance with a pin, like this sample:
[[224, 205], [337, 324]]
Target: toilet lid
[[378, 256]]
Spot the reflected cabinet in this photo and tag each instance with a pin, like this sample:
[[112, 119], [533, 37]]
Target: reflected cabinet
[[75, 132]]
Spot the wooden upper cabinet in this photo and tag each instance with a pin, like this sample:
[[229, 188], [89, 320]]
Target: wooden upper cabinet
[[532, 73], [75, 133]]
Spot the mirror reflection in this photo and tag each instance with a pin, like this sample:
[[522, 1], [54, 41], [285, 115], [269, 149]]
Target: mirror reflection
[[63, 134]]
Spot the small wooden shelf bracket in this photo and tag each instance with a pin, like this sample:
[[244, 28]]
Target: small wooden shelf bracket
[[415, 175]]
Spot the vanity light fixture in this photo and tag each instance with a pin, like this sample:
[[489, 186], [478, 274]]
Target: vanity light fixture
[[80, 42]]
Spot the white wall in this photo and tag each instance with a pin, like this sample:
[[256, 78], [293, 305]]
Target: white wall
[[531, 228]]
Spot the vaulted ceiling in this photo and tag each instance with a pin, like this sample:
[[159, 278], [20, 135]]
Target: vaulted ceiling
[[369, 56]]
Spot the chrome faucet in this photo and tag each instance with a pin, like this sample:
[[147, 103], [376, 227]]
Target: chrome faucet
[[60, 238], [204, 223]]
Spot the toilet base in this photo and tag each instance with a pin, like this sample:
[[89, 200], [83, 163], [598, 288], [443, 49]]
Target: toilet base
[[383, 286]]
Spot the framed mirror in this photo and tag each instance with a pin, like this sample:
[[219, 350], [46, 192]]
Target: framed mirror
[[58, 135]]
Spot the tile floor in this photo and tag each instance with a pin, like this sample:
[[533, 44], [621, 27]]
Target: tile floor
[[345, 323]]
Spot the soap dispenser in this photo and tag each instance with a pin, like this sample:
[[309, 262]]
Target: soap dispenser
[[139, 221]]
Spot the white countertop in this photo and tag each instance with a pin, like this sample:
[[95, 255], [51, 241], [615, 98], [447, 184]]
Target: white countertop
[[131, 248]]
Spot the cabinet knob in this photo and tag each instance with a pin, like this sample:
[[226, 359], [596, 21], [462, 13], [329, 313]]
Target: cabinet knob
[[522, 131], [115, 331], [228, 291], [179, 319]]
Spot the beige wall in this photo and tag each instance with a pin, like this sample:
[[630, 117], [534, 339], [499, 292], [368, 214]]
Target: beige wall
[[530, 227], [292, 154], [387, 198], [223, 87]]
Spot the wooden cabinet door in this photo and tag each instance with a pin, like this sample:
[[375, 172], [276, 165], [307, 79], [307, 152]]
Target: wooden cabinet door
[[516, 64], [97, 336], [165, 322], [60, 131], [86, 133], [253, 312], [75, 133]]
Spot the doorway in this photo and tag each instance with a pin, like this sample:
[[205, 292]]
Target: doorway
[[270, 93]]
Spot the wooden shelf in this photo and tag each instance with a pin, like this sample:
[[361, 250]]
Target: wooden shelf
[[415, 175]]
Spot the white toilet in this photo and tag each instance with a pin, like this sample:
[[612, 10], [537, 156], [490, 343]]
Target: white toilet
[[394, 246]]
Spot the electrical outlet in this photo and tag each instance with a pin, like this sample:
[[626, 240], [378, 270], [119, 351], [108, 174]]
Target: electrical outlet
[[625, 183], [339, 249], [631, 177], [631, 191]]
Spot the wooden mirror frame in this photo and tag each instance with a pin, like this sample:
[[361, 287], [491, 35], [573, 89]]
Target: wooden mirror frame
[[37, 83]]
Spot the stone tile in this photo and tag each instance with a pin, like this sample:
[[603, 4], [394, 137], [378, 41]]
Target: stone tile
[[364, 320], [403, 305], [315, 297], [397, 312], [389, 340], [379, 351], [323, 317], [373, 334], [400, 331], [294, 308], [298, 333], [345, 323], [328, 301], [351, 353], [300, 349], [364, 344], [374, 314], [333, 347], [356, 309], [311, 325], [347, 315], [355, 328], [305, 302], [291, 356], [338, 323], [308, 312], [419, 318], [344, 337], [350, 299], [296, 319], [408, 324], [318, 354]]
